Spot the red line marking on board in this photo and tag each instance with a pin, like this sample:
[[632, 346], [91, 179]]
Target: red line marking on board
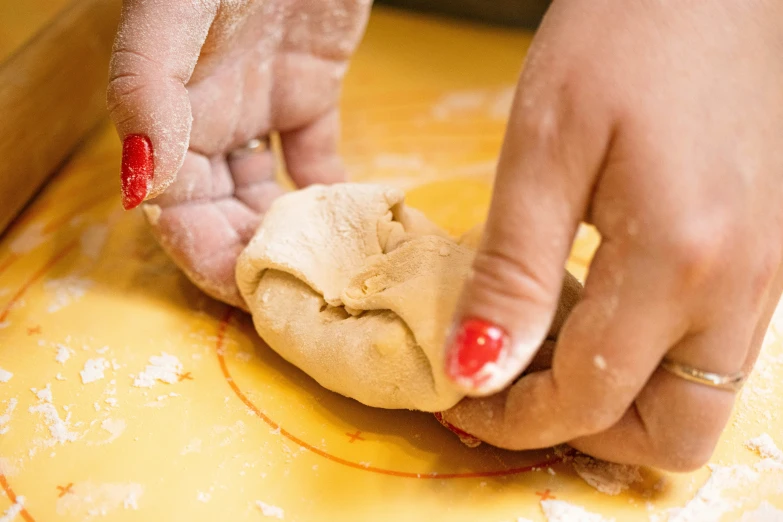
[[64, 490], [545, 495], [184, 377], [36, 276], [221, 333], [33, 330], [355, 436], [12, 497]]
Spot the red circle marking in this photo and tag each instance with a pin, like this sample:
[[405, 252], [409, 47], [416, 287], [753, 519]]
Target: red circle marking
[[221, 333]]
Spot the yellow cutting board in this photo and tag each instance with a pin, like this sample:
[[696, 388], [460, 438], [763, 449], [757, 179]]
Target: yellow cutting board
[[240, 434]]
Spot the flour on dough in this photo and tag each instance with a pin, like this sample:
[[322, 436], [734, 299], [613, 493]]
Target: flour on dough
[[357, 290]]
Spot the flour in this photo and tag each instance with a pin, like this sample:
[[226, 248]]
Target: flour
[[607, 477], [710, 502], [203, 497], [58, 428], [164, 367], [44, 394], [66, 291], [5, 418], [270, 511], [93, 370], [561, 511], [63, 354], [131, 501], [766, 512], [5, 375], [115, 427], [765, 447], [12, 512], [87, 499]]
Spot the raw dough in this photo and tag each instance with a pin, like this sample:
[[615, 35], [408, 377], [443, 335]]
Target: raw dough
[[357, 290]]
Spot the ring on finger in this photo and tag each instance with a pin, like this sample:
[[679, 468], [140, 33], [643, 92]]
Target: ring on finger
[[731, 382], [253, 146]]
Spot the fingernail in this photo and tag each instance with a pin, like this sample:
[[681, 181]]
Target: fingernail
[[475, 344], [138, 168]]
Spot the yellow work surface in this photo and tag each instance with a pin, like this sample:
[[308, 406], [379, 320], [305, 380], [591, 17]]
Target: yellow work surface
[[239, 434]]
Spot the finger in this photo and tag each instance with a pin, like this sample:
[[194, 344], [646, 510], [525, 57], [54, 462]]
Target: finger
[[629, 315], [311, 154], [154, 54], [545, 175], [209, 214], [675, 424]]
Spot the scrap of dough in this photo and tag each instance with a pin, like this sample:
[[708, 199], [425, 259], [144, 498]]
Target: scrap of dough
[[357, 290]]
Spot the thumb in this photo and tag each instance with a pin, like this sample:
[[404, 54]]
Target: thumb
[[154, 54], [545, 174]]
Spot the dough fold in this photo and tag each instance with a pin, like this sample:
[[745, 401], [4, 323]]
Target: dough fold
[[357, 290]]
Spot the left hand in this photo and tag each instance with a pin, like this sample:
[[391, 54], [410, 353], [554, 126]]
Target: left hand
[[661, 125]]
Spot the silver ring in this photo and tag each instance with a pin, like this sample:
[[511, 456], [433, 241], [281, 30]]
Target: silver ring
[[251, 147], [732, 382]]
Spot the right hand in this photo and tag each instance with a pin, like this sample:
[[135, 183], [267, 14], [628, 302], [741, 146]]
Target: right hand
[[196, 81]]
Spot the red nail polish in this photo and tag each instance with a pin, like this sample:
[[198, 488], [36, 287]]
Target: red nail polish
[[138, 168], [466, 438], [474, 344]]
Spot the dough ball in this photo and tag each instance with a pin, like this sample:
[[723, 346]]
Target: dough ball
[[357, 290]]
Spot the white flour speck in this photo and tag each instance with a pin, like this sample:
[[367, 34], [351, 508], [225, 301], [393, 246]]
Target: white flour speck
[[93, 370], [5, 375], [270, 511], [562, 511], [164, 367], [765, 447], [599, 362], [203, 497], [13, 511], [66, 291], [5, 418], [58, 428], [63, 354], [45, 394]]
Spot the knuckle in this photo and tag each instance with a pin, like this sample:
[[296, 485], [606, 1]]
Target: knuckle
[[509, 276], [683, 454], [683, 442], [695, 250]]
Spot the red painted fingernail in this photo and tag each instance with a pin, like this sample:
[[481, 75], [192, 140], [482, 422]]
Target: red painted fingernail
[[474, 344], [138, 168]]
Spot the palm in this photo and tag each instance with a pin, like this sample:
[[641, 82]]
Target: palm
[[265, 67]]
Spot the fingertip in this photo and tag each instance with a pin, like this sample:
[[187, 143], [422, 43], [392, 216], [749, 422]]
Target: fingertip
[[482, 358]]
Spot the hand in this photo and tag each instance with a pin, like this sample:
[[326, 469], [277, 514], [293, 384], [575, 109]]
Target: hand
[[660, 125], [195, 82]]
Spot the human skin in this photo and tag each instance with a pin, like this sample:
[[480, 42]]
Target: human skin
[[658, 125]]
